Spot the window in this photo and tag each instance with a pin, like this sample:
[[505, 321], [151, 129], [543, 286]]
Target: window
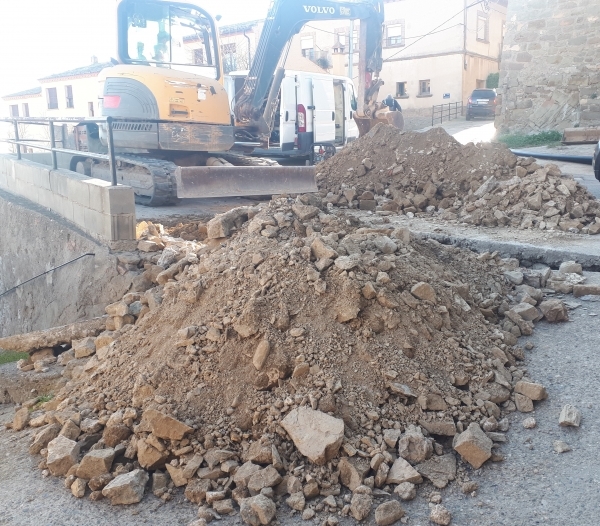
[[308, 47], [52, 98], [25, 108], [394, 34], [424, 87], [401, 89], [483, 27], [198, 57], [14, 110], [69, 96], [90, 109], [229, 57]]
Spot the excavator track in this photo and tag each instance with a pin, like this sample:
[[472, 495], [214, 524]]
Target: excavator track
[[162, 190]]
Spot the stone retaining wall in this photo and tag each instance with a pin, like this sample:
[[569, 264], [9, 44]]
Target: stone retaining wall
[[550, 71], [106, 212]]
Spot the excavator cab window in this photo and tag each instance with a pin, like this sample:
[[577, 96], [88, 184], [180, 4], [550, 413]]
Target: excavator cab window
[[172, 35]]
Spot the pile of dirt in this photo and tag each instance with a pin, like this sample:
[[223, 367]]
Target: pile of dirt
[[432, 174], [303, 356]]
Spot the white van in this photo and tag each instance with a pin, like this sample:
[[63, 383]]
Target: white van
[[316, 109]]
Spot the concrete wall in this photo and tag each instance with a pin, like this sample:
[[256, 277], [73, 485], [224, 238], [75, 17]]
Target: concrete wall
[[103, 211], [550, 74], [33, 240]]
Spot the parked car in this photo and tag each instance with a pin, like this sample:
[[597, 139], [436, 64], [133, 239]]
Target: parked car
[[481, 103], [596, 161]]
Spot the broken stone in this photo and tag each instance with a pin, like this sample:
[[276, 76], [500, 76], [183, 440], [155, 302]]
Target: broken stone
[[85, 347], [43, 438], [524, 404], [440, 515], [127, 488], [561, 447], [296, 501], [388, 513], [21, 419], [360, 506], [116, 434], [554, 311], [531, 390], [96, 463], [164, 426], [424, 291], [257, 510], [569, 416], [261, 354], [571, 267], [353, 471], [265, 478], [176, 475], [62, 455], [244, 472], [413, 446], [401, 471], [473, 445], [439, 470], [196, 490], [529, 423], [406, 491], [316, 435], [78, 488]]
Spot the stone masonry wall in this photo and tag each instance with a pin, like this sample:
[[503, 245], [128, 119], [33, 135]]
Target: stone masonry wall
[[550, 71]]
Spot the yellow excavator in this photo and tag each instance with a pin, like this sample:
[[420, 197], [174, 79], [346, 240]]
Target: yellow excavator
[[173, 129]]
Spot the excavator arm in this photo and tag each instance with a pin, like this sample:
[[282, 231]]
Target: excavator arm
[[256, 104]]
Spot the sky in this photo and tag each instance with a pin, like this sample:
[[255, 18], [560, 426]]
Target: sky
[[42, 37]]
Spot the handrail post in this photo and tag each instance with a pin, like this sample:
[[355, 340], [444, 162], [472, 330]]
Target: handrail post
[[17, 139], [111, 151], [53, 145]]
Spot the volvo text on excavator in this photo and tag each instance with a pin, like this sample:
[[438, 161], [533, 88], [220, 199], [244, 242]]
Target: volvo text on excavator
[[172, 126]]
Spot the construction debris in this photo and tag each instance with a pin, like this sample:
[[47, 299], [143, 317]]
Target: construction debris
[[304, 357], [432, 175]]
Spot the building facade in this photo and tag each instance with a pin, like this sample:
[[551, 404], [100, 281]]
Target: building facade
[[550, 77]]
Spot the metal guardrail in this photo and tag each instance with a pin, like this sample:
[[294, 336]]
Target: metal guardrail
[[18, 142], [450, 111]]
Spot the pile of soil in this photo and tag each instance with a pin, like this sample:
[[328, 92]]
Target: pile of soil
[[300, 308], [432, 174]]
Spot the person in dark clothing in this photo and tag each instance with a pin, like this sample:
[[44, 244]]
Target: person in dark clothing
[[392, 104]]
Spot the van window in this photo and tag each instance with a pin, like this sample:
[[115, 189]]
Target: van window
[[483, 94]]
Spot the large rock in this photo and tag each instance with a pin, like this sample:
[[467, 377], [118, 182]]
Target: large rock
[[244, 473], [424, 291], [85, 347], [96, 463], [321, 251], [257, 510], [43, 438], [261, 354], [149, 457], [35, 341], [473, 445], [62, 455], [440, 515], [196, 490], [115, 434], [531, 390], [21, 419], [361, 504], [439, 470], [127, 488], [305, 212], [388, 513], [401, 471], [353, 471], [222, 225], [586, 290], [265, 478], [413, 446], [317, 435], [526, 311], [164, 426], [554, 311]]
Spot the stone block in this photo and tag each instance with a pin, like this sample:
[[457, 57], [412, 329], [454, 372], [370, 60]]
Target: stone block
[[78, 192], [473, 445], [118, 200], [569, 416]]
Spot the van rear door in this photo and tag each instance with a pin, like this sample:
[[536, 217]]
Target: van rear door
[[288, 109], [324, 110]]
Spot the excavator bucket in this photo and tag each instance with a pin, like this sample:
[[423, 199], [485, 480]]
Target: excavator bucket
[[239, 181], [393, 118]]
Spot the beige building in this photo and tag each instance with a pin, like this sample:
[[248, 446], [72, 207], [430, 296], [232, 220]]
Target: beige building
[[434, 52]]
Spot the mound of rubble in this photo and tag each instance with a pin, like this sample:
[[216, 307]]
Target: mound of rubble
[[307, 362], [432, 174]]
